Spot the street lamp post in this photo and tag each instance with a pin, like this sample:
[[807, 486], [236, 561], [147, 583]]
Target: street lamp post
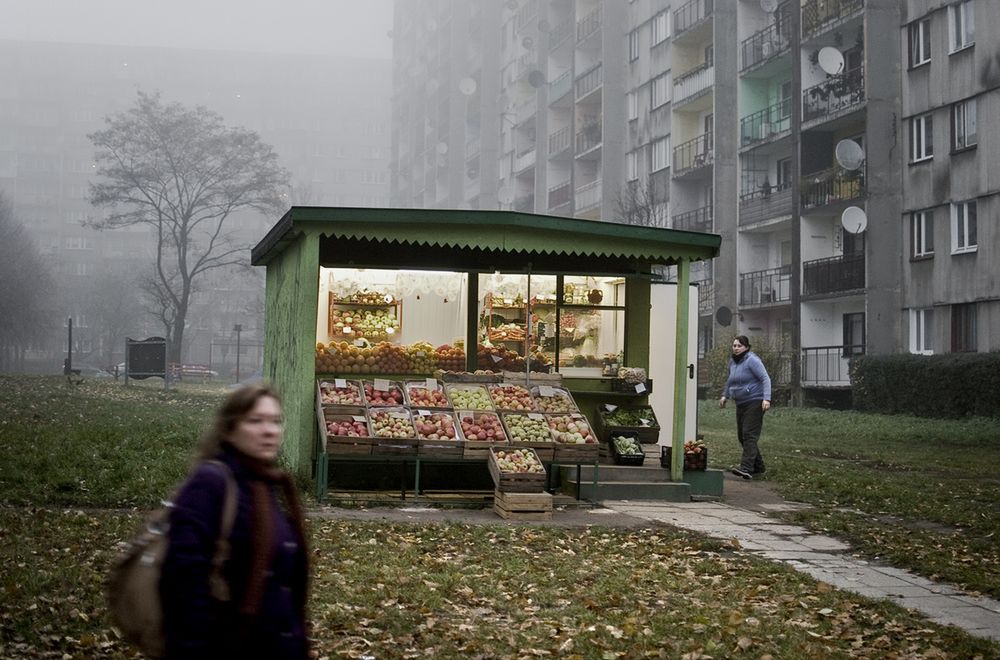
[[238, 328]]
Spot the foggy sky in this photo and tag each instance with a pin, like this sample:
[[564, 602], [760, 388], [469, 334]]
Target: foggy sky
[[327, 27]]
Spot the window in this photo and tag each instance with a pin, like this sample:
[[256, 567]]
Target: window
[[963, 328], [632, 106], [633, 45], [922, 331], [632, 166], [922, 234], [854, 334], [662, 91], [963, 227], [920, 42], [661, 27], [661, 153], [962, 23], [963, 125], [921, 138], [784, 173]]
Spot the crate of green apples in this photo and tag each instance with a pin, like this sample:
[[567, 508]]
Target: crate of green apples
[[517, 470], [530, 430]]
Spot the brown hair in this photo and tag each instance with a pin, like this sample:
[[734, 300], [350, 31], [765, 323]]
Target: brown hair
[[236, 406], [744, 340]]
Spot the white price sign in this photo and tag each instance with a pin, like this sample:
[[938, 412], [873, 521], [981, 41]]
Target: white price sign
[[340, 382], [382, 384], [610, 407], [431, 383], [640, 388], [359, 418], [545, 390], [536, 416]]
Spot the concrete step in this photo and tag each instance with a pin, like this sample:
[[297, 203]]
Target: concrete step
[[630, 490], [640, 482]]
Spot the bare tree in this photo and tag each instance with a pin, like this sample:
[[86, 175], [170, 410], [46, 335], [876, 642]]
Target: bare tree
[[183, 173], [638, 204], [27, 314]]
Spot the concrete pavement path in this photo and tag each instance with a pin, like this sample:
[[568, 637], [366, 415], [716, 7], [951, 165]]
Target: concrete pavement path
[[823, 557]]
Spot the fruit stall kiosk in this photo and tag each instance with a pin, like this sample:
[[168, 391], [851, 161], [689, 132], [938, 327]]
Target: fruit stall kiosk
[[404, 320]]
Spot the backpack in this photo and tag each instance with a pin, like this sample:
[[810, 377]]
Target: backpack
[[133, 584]]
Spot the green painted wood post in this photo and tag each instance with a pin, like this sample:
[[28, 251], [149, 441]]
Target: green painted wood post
[[680, 371]]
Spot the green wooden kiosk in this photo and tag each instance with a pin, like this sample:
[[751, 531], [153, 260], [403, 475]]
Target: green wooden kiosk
[[307, 240]]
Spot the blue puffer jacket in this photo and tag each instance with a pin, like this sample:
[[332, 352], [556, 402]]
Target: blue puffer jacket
[[198, 626], [748, 380]]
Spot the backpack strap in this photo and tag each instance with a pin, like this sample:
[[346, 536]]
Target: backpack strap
[[216, 582]]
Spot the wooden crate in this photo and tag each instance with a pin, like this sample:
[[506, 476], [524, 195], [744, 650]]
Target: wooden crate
[[522, 506], [582, 453], [513, 482], [646, 434], [395, 446], [442, 448], [544, 450], [339, 444], [479, 449]]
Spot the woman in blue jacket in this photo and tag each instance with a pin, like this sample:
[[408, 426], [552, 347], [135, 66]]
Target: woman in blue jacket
[[267, 567], [749, 387]]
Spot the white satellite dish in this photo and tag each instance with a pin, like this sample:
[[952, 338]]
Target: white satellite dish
[[831, 60], [854, 219], [849, 154], [505, 195], [442, 147], [769, 5], [467, 86]]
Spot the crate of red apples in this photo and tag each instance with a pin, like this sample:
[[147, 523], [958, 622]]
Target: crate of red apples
[[345, 430], [427, 393], [481, 430], [517, 470], [437, 434]]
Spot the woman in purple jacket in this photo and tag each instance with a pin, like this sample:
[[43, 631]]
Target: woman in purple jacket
[[750, 387], [267, 567]]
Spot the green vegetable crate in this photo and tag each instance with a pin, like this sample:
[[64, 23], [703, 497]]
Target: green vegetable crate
[[625, 459], [624, 419]]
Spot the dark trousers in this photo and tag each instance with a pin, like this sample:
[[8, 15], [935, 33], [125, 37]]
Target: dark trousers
[[749, 422]]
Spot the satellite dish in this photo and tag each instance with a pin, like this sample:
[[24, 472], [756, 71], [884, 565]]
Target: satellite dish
[[528, 43], [505, 195], [724, 316], [536, 78], [467, 86], [768, 5], [544, 25], [849, 154], [831, 60], [442, 147], [854, 219]]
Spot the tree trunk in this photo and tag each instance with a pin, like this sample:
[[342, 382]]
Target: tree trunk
[[175, 347]]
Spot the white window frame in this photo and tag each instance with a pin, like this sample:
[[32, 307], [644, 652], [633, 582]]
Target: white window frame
[[964, 227], [922, 233], [964, 131], [632, 165], [632, 105], [922, 331], [919, 42], [961, 25], [633, 45], [660, 27], [921, 138], [661, 90], [660, 154]]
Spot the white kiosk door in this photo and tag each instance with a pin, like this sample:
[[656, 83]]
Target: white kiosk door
[[662, 333]]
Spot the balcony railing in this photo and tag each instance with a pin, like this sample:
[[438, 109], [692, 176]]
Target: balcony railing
[[706, 298], [526, 13], [828, 366], [765, 202], [559, 33], [833, 274], [818, 13], [765, 124], [559, 87], [832, 186], [589, 81], [588, 137], [472, 147], [588, 196], [765, 287], [524, 160], [692, 83], [525, 203], [834, 95], [693, 154], [560, 140], [690, 14], [765, 44], [696, 220], [589, 24], [526, 110], [559, 195]]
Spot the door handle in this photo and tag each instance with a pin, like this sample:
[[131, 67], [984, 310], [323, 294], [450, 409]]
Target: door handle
[[690, 372]]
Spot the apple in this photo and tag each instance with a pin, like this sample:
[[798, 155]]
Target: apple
[[435, 426], [482, 426], [571, 429], [523, 428], [473, 397], [422, 397], [352, 428], [392, 424], [349, 395], [511, 397], [521, 461], [391, 397]]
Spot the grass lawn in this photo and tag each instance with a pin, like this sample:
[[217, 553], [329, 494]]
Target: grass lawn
[[77, 459]]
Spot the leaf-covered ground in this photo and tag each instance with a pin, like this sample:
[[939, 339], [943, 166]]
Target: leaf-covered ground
[[448, 591]]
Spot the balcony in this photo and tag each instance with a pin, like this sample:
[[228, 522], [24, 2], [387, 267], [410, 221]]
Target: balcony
[[692, 155], [524, 203], [560, 195], [832, 186], [560, 141], [696, 220], [706, 298], [589, 81], [472, 147], [526, 14], [559, 34], [588, 137], [560, 87], [836, 95], [766, 287], [833, 275], [818, 15], [828, 366], [525, 159], [588, 25], [526, 110], [761, 46], [691, 14], [765, 125], [765, 203], [692, 84], [588, 196]]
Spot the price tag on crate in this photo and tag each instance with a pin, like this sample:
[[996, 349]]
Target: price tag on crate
[[360, 343], [610, 407], [431, 383], [359, 418], [644, 422], [545, 390], [640, 388], [381, 384], [424, 413], [340, 382], [536, 416]]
